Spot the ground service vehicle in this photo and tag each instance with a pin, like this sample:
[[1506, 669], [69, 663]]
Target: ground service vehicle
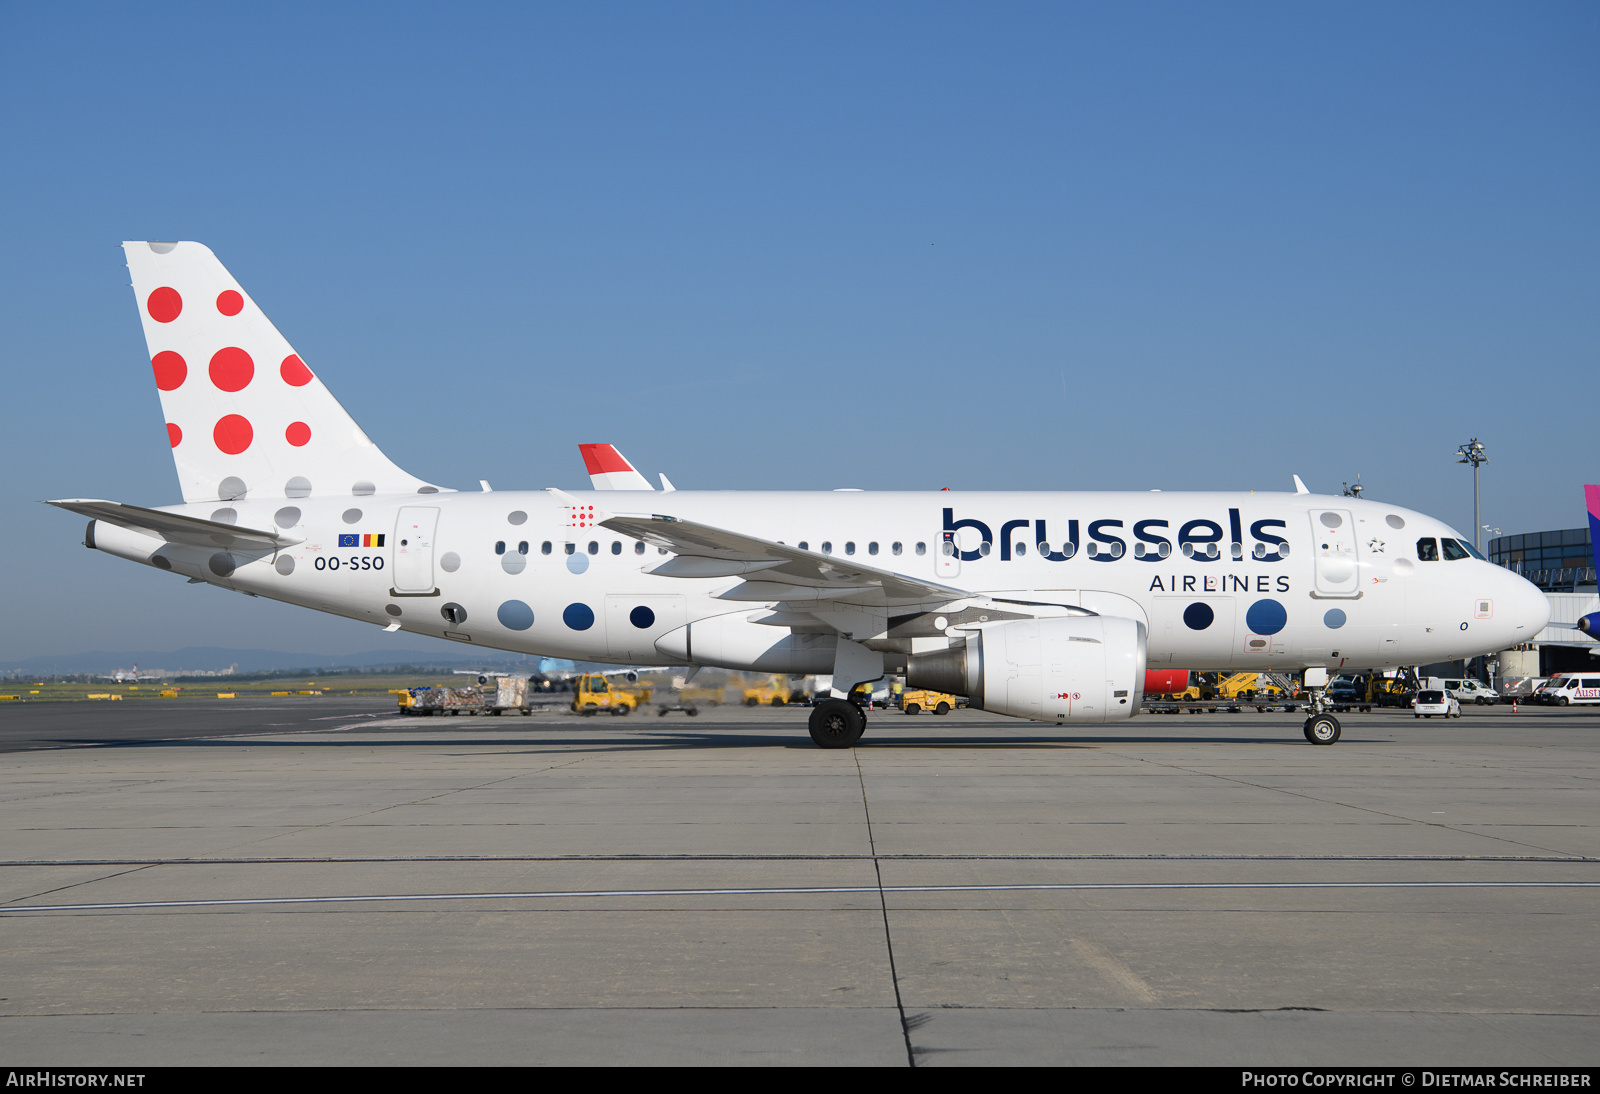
[[775, 691], [1571, 688], [593, 693], [918, 700], [1047, 606], [1465, 689], [1431, 701]]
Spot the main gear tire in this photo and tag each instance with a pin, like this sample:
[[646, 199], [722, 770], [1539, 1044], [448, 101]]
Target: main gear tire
[[836, 723]]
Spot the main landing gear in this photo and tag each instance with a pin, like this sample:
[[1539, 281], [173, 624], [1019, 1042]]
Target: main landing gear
[[837, 723]]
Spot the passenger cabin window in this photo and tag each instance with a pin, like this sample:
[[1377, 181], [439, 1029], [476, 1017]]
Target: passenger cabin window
[[922, 548], [872, 548], [594, 548], [616, 546], [570, 547], [827, 547], [638, 547], [544, 548], [804, 546], [1020, 548], [1427, 549], [894, 549], [1452, 549], [500, 547], [850, 547], [522, 548]]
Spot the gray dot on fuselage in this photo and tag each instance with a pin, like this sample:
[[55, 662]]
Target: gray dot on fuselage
[[284, 565], [297, 487], [449, 562], [287, 517], [518, 517], [427, 489], [392, 609], [351, 516], [513, 562], [362, 489], [231, 488], [221, 564], [226, 516]]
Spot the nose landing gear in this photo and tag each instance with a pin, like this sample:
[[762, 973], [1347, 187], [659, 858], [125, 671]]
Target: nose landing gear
[[1322, 729]]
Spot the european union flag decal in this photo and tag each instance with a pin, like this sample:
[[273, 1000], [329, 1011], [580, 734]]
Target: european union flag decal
[[349, 540], [361, 539]]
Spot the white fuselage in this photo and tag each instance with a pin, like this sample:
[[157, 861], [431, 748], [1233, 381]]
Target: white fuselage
[[1352, 589]]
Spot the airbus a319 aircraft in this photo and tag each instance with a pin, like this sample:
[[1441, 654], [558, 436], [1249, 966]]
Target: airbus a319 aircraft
[[1047, 606]]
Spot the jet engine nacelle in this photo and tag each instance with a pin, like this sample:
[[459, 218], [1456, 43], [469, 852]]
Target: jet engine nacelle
[[1074, 669]]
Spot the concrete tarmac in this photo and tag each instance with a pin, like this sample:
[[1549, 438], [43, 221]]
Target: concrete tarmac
[[318, 881]]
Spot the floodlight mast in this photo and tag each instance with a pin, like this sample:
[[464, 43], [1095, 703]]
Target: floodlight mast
[[1473, 452]]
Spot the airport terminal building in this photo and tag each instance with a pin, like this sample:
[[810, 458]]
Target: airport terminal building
[[1560, 562]]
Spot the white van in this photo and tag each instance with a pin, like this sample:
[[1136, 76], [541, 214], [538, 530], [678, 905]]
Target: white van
[[1467, 690], [1570, 688]]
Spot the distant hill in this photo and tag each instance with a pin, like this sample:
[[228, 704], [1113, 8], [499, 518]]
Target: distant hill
[[214, 659]]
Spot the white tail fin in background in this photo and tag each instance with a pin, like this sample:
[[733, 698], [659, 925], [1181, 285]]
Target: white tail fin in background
[[245, 416], [609, 469]]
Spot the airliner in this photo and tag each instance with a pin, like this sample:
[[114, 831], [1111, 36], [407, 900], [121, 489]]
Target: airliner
[[1043, 606]]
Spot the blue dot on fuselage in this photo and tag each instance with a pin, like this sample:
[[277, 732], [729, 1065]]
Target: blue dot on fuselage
[[577, 563], [1197, 616], [580, 617], [515, 615], [642, 617], [1266, 617], [1334, 619]]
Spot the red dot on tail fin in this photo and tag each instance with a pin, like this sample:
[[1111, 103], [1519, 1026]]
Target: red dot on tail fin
[[233, 434], [297, 434], [231, 368], [229, 302], [294, 371], [170, 368], [164, 304], [174, 434]]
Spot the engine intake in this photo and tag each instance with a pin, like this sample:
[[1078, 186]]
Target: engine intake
[[1074, 669]]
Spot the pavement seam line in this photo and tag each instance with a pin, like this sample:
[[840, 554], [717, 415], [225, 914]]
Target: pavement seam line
[[1349, 805], [883, 904]]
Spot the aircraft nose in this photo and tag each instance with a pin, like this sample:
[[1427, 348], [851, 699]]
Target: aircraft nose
[[1528, 608]]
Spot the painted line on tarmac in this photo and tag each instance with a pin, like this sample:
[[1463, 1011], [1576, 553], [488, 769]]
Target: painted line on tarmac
[[820, 890], [313, 860]]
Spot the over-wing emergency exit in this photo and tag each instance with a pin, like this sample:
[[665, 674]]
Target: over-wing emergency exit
[[1047, 606]]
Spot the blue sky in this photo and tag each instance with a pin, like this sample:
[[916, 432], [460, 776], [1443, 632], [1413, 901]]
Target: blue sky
[[1048, 246]]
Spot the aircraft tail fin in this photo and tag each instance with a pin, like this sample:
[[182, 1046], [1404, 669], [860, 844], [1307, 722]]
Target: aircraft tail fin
[[1590, 624], [245, 416], [610, 470]]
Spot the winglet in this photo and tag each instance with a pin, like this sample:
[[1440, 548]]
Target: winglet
[[1300, 487], [610, 470], [666, 483]]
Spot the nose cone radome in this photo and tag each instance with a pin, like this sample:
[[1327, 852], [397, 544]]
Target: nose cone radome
[[1527, 609]]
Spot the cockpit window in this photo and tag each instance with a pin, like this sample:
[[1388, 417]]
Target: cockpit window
[[1427, 549], [1453, 550], [1473, 551]]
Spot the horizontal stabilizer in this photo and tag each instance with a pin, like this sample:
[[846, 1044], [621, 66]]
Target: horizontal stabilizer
[[175, 528]]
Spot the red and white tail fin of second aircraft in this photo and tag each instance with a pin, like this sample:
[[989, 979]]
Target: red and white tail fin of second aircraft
[[609, 469], [245, 416]]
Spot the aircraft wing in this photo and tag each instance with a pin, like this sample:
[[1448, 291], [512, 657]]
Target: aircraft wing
[[772, 571], [174, 527]]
